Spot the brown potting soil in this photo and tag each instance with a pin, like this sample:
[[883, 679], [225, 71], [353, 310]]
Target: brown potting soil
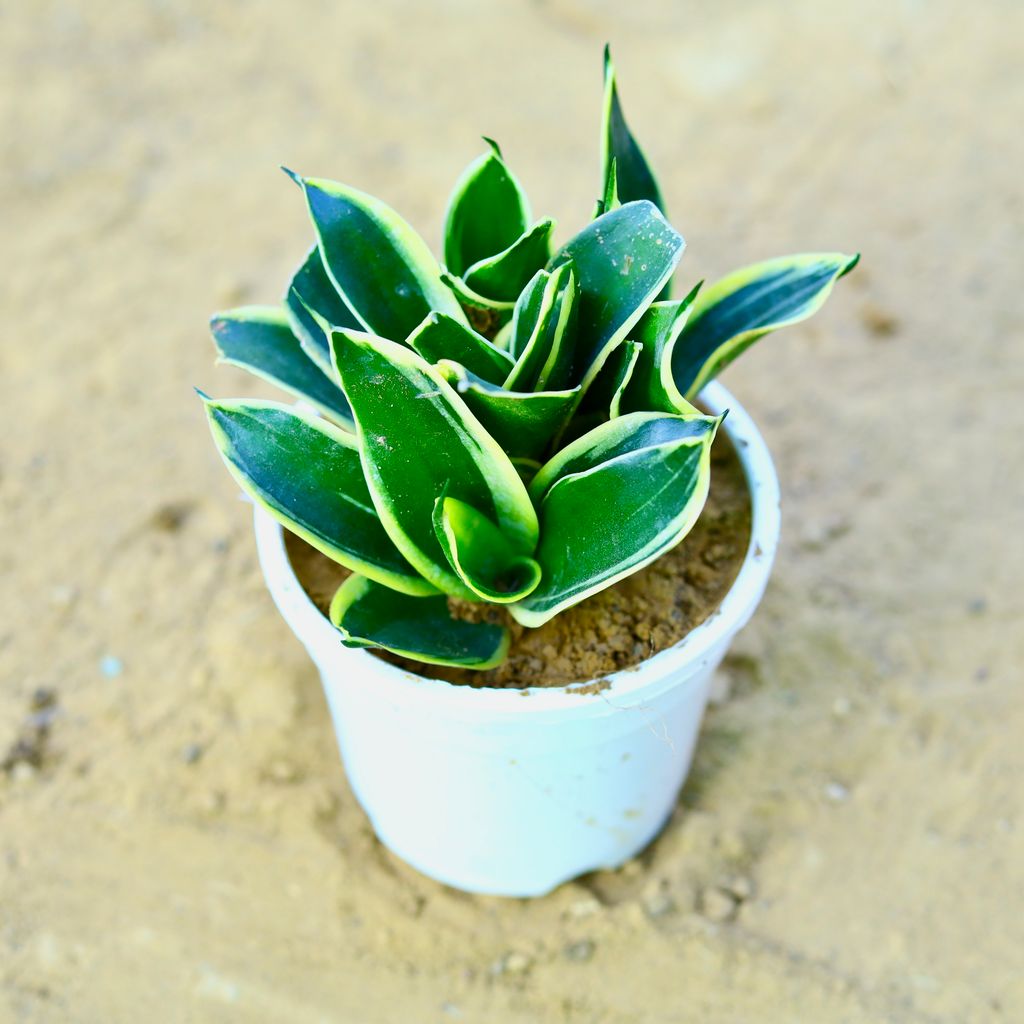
[[615, 629]]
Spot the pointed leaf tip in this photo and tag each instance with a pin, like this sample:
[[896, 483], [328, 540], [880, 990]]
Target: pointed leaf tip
[[494, 146], [297, 178], [202, 394]]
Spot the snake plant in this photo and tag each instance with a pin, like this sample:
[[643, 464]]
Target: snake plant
[[512, 425]]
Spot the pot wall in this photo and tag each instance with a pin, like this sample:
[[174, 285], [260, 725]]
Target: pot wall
[[511, 792]]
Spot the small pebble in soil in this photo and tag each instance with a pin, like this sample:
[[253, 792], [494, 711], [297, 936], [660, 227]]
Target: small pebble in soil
[[63, 595], [739, 887], [718, 906], [512, 963], [658, 904], [43, 697], [111, 666], [583, 908], [191, 753], [284, 772], [837, 792], [580, 952], [841, 707]]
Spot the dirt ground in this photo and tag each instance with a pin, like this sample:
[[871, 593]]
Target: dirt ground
[[177, 841]]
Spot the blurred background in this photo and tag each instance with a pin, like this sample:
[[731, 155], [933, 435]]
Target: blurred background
[[177, 840]]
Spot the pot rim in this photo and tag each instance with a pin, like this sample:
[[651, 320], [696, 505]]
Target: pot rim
[[629, 687]]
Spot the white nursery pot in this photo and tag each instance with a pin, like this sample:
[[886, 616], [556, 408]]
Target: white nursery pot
[[512, 792]]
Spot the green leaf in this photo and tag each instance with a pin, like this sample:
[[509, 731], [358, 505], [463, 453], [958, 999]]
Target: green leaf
[[380, 266], [503, 276], [733, 313], [543, 327], [311, 294], [487, 212], [471, 300], [522, 422], [259, 339], [440, 337], [614, 501], [613, 439], [418, 440], [306, 473], [652, 386], [610, 200], [478, 551], [634, 177], [621, 261], [604, 395], [422, 628]]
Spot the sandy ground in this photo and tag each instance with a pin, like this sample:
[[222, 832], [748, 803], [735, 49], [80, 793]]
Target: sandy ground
[[851, 845]]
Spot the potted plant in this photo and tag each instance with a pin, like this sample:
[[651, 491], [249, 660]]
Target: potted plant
[[487, 443]]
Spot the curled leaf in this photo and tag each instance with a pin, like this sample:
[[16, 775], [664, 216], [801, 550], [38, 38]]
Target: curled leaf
[[730, 315], [482, 556], [369, 615]]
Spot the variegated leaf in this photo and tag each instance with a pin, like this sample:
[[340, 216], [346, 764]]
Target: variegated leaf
[[730, 315], [633, 176], [481, 555], [523, 422], [369, 615], [652, 386], [498, 309], [604, 396], [487, 212], [440, 337], [312, 295], [621, 261], [543, 331], [612, 502], [307, 474], [418, 440], [382, 269], [504, 275], [260, 339]]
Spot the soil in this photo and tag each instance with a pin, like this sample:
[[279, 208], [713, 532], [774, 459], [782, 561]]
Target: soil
[[178, 841], [615, 629]]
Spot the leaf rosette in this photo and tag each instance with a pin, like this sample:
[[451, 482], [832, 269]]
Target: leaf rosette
[[514, 423]]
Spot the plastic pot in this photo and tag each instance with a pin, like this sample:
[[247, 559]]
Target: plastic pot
[[511, 792]]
